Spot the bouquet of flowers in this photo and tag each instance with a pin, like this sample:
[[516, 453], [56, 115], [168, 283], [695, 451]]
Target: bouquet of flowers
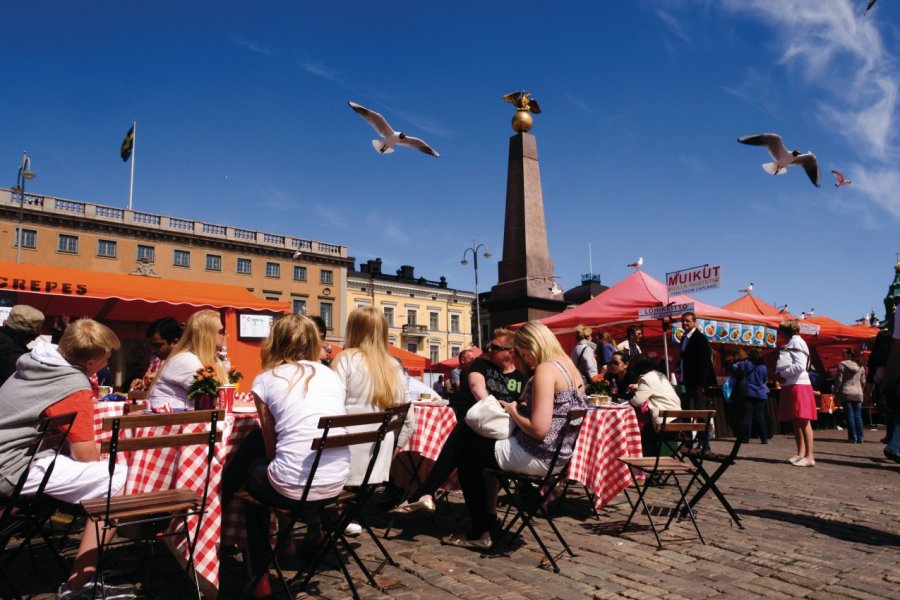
[[205, 383], [234, 375], [597, 385]]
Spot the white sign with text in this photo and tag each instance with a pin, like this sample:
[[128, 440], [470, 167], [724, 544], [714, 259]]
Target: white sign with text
[[695, 279]]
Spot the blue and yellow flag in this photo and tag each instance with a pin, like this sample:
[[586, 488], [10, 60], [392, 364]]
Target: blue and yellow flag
[[128, 145]]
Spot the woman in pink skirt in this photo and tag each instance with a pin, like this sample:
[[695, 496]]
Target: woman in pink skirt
[[797, 403]]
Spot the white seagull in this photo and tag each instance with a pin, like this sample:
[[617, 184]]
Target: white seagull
[[636, 264], [390, 138], [747, 289], [784, 158]]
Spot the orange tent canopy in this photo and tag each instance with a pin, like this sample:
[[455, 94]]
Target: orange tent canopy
[[114, 297], [752, 305], [415, 364], [445, 366]]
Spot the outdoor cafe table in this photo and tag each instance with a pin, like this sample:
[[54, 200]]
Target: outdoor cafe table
[[171, 468], [608, 433]]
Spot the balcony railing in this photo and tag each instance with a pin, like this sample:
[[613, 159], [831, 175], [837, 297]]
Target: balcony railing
[[112, 214], [417, 331]]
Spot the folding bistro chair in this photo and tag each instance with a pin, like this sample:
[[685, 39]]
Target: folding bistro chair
[[709, 481], [335, 513], [112, 511], [659, 470], [529, 494], [23, 516]]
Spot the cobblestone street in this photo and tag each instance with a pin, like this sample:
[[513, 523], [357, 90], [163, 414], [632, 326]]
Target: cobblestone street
[[824, 532]]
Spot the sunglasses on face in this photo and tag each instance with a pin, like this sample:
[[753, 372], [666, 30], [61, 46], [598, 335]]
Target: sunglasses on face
[[497, 348]]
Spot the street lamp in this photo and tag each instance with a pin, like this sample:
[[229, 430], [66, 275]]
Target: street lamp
[[474, 250], [25, 172]]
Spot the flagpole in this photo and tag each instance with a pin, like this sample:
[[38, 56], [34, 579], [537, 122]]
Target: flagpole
[[133, 149]]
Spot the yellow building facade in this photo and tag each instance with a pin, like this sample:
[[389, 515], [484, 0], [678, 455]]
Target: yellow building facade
[[425, 317], [310, 275]]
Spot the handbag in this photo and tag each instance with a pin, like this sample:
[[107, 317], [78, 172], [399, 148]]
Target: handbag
[[488, 419]]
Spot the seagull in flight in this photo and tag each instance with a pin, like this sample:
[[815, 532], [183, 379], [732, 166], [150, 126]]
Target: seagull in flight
[[840, 179], [783, 157], [869, 6], [390, 138], [747, 289], [636, 264]]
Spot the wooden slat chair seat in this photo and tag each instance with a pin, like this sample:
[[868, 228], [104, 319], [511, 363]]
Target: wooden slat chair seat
[[23, 516], [157, 506], [659, 469], [528, 495], [336, 513]]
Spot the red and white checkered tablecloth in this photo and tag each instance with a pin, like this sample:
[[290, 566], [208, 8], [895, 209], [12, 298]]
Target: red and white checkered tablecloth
[[103, 410], [607, 434], [433, 427], [176, 468]]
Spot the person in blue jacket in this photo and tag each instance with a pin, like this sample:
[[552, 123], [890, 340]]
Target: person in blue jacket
[[752, 405]]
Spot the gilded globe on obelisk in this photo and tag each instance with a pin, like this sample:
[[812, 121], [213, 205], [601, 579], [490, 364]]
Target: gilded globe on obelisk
[[525, 105]]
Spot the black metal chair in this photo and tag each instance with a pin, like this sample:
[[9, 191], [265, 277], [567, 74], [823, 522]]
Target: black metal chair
[[335, 513], [528, 494], [111, 511], [708, 480], [658, 471], [23, 516]]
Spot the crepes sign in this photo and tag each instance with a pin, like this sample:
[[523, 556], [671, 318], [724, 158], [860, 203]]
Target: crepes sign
[[18, 284], [695, 279]]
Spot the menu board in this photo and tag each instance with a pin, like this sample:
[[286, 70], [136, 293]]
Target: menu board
[[254, 327], [726, 332]]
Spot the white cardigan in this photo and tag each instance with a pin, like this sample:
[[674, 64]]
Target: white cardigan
[[653, 387], [350, 367], [793, 360]]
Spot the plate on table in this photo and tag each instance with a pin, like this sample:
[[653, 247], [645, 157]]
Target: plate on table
[[243, 408]]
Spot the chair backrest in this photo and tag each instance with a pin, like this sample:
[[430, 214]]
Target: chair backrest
[[677, 421], [389, 421], [135, 422], [52, 433], [570, 430]]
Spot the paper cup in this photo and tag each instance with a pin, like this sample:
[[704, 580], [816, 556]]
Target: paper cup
[[225, 400]]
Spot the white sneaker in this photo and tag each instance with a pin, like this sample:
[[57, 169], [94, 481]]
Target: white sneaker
[[353, 530], [111, 592]]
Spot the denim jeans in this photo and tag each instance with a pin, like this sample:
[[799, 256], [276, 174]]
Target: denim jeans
[[894, 440], [853, 411]]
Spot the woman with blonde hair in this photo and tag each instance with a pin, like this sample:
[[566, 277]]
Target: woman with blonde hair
[[554, 388], [373, 381], [796, 402], [201, 341], [584, 354]]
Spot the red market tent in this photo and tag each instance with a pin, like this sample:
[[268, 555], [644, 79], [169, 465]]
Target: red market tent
[[752, 305], [416, 365], [445, 366], [618, 307]]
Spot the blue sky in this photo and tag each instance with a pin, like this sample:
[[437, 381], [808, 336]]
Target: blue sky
[[243, 120]]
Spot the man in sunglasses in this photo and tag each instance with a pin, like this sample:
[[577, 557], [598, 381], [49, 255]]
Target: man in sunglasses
[[494, 372]]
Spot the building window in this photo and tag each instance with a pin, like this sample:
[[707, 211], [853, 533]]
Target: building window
[[433, 321], [412, 347], [213, 262], [410, 316], [454, 351], [181, 258], [243, 266], [389, 315], [299, 273], [392, 341], [273, 270], [454, 323], [434, 352], [326, 277], [146, 253], [298, 306], [67, 243], [325, 311], [106, 248], [29, 238]]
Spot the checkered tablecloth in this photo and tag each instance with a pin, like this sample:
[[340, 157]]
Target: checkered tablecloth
[[103, 410], [176, 468], [433, 427], [607, 434]]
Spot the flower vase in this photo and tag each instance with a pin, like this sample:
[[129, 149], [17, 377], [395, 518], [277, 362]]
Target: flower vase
[[204, 402]]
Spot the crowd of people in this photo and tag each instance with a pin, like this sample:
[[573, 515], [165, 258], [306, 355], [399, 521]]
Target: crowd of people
[[526, 371]]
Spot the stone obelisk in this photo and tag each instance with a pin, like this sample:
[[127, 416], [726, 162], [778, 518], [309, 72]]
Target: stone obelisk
[[526, 280]]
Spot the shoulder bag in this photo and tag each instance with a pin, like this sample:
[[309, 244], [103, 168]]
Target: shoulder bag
[[488, 419]]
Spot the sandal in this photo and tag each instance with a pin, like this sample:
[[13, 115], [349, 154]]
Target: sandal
[[462, 541]]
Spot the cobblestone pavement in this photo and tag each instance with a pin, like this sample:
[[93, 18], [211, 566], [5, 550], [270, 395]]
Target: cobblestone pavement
[[825, 532]]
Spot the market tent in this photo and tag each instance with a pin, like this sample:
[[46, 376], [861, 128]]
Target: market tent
[[618, 307], [114, 297], [445, 366], [752, 305]]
